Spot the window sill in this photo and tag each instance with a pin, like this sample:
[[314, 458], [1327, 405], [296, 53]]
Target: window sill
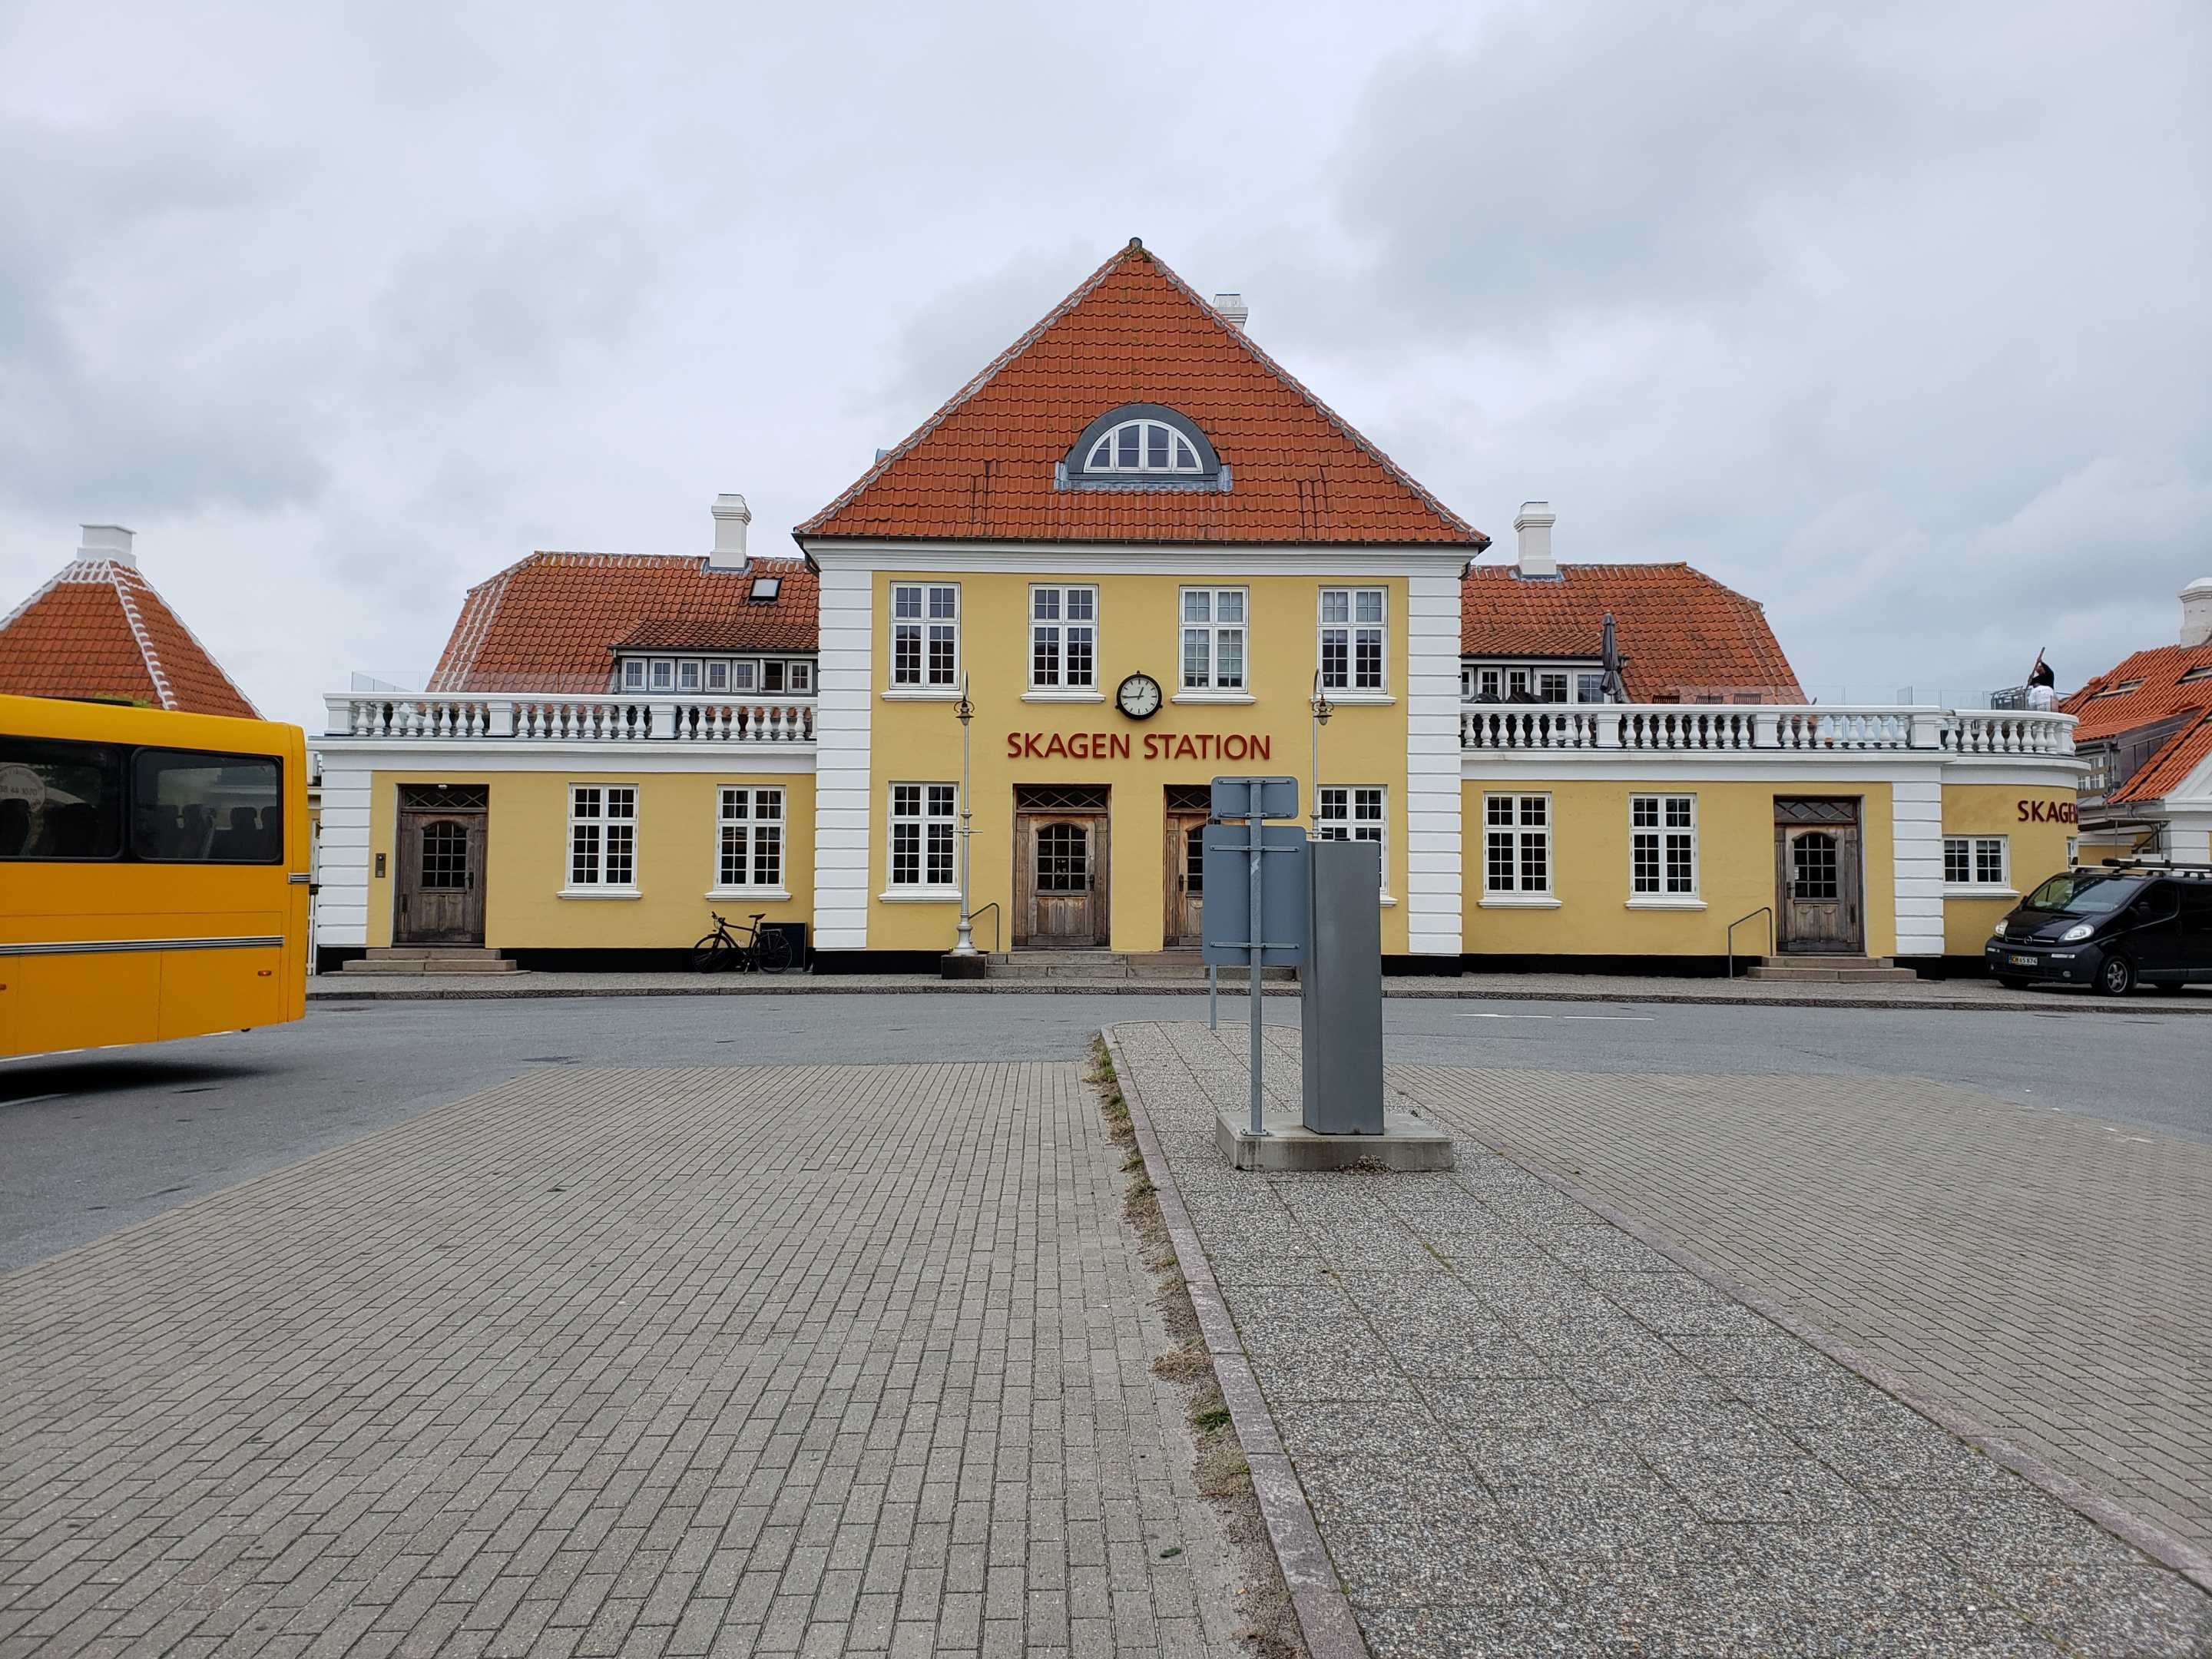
[[922, 694], [1386, 900], [1981, 893], [920, 896], [1517, 901], [1657, 901], [1359, 698], [1213, 697], [748, 893], [599, 893], [1049, 695]]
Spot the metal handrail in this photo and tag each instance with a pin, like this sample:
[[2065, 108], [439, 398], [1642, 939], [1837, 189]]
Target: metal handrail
[[993, 907], [1766, 910]]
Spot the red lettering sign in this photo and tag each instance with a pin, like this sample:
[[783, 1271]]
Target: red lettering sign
[[1158, 746], [2046, 811]]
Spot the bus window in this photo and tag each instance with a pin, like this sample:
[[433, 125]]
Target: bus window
[[206, 809], [60, 800]]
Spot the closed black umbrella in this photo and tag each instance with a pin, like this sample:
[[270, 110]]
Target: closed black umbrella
[[1616, 687]]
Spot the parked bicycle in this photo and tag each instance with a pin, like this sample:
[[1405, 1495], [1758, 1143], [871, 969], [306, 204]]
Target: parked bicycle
[[758, 952]]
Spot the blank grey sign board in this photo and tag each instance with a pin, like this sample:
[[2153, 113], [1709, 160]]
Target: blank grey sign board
[[1340, 1007], [1228, 919]]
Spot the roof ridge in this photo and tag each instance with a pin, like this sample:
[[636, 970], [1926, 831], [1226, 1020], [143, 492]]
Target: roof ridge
[[977, 382], [132, 576]]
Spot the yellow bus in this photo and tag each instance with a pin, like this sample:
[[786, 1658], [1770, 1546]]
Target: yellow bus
[[153, 874]]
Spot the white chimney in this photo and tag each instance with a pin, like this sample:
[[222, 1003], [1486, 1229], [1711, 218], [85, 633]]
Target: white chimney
[[2196, 611], [107, 541], [731, 515], [1233, 309], [1533, 526]]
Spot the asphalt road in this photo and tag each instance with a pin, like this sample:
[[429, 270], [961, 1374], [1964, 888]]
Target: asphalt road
[[89, 1143]]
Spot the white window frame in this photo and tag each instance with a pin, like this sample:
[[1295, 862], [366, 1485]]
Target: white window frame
[[798, 676], [754, 829], [718, 675], [931, 814], [1494, 679], [632, 674], [1526, 821], [1338, 817], [600, 816], [1972, 849], [1178, 446], [1061, 628], [1354, 630], [926, 628], [1214, 630], [1662, 835], [664, 674]]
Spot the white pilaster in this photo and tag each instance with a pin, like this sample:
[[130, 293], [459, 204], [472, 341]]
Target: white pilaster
[[343, 857], [845, 701], [1916, 831], [1433, 868]]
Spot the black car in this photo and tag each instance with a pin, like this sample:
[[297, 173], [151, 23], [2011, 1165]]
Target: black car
[[2113, 927]]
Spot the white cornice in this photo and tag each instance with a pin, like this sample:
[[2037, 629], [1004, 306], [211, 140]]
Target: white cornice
[[1123, 559]]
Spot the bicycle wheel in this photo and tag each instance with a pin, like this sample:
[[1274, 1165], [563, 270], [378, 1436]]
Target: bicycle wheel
[[714, 953], [771, 952]]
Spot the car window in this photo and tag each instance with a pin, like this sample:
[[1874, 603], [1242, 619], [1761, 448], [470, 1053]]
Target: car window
[[2085, 893], [2155, 905]]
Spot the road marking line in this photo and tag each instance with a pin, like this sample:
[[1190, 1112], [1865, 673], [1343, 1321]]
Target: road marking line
[[1464, 1014], [1647, 1018]]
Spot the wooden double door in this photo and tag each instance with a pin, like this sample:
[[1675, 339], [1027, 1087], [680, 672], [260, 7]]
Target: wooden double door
[[1183, 869], [1819, 883], [1062, 873], [440, 851]]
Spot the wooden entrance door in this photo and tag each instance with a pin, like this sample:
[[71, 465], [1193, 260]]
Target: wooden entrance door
[[1186, 878], [1061, 879], [1818, 902], [441, 871]]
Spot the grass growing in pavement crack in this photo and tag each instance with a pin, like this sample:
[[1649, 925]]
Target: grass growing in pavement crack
[[1218, 1471]]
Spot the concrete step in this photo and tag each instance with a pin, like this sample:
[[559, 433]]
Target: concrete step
[[1832, 970], [427, 952], [419, 967]]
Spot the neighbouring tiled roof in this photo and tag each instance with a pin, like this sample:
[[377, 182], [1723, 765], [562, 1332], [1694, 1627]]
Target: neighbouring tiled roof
[[1680, 631], [98, 630], [981, 467], [2162, 690], [2166, 770], [551, 622]]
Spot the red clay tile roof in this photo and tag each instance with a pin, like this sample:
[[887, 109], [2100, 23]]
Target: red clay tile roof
[[2169, 768], [551, 622], [1681, 632], [2161, 691], [98, 630], [981, 468]]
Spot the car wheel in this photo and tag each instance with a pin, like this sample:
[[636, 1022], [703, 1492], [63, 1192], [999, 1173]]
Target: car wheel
[[2012, 981], [2117, 977]]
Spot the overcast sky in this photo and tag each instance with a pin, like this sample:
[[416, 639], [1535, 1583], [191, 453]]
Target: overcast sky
[[1893, 317]]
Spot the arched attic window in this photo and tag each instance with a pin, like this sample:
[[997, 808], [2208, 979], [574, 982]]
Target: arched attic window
[[1142, 446]]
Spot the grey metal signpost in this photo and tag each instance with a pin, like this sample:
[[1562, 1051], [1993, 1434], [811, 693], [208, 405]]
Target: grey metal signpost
[[1257, 922]]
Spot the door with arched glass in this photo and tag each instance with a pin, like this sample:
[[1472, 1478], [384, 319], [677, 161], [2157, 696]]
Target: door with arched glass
[[1060, 873], [1818, 904], [440, 897]]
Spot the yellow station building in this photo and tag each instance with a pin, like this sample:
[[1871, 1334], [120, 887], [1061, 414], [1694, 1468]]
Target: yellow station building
[[1134, 553]]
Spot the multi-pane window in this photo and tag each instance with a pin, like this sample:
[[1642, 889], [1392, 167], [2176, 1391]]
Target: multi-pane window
[[926, 634], [921, 834], [1352, 639], [603, 835], [1142, 446], [1663, 846], [1353, 813], [1974, 861], [1213, 623], [634, 674], [751, 823], [1063, 639], [1516, 855]]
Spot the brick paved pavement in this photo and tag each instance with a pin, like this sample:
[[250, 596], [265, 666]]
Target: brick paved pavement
[[1522, 1431], [2048, 1274], [827, 1359]]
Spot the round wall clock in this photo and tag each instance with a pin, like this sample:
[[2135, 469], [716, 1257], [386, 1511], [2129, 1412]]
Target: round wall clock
[[1138, 697]]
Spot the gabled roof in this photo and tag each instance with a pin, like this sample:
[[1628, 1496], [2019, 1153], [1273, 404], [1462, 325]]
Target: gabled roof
[[2161, 688], [552, 622], [981, 467], [98, 630], [2169, 768], [1681, 632]]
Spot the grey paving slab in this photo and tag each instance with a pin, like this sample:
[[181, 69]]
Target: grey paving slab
[[1666, 1471], [2044, 1272], [826, 1359]]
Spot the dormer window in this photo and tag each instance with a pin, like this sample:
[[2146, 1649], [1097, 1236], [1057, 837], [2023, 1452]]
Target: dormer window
[[1142, 446], [765, 588]]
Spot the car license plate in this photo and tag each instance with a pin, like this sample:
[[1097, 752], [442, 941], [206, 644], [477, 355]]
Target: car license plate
[[2022, 962]]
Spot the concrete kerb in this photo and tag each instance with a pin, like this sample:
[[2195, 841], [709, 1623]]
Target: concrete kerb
[[2154, 1540], [1325, 1616]]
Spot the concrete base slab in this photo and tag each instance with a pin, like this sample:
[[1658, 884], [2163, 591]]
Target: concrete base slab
[[1407, 1143]]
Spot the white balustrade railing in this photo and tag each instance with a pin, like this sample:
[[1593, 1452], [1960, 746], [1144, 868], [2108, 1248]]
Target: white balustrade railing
[[1769, 728], [611, 718]]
